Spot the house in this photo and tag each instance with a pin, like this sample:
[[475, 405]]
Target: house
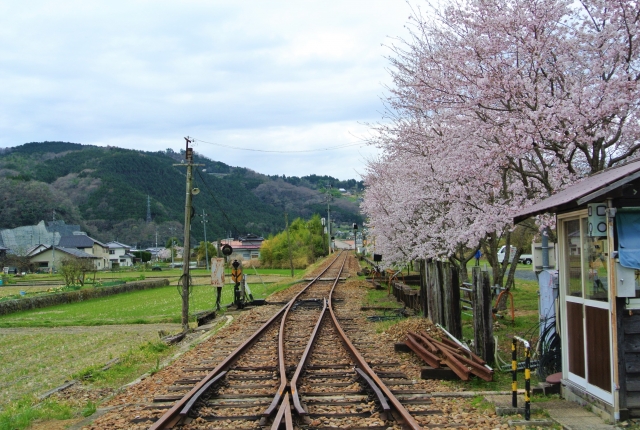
[[119, 255], [598, 292], [50, 257], [82, 242], [245, 247]]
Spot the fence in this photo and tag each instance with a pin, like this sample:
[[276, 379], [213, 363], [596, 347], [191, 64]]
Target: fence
[[439, 299]]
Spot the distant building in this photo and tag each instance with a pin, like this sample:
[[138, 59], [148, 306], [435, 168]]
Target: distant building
[[245, 247], [119, 255], [46, 258], [82, 242]]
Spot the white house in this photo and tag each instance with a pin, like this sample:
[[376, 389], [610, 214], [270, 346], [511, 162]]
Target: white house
[[119, 255]]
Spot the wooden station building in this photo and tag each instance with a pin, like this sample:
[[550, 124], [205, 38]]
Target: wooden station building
[[598, 234]]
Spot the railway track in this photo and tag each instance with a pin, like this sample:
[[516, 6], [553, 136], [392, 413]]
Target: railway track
[[306, 367]]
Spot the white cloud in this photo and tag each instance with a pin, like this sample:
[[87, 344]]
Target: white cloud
[[285, 74]]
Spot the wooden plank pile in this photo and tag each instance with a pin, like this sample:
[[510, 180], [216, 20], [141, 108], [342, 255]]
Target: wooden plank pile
[[438, 353]]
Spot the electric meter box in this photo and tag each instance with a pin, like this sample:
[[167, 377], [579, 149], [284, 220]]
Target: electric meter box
[[536, 250], [626, 281], [597, 219]]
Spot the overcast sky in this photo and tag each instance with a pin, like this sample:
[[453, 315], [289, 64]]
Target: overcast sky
[[267, 75]]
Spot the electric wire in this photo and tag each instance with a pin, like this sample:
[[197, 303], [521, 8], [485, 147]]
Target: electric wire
[[330, 148], [216, 201]]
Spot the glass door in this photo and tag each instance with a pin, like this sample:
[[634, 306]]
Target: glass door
[[587, 337]]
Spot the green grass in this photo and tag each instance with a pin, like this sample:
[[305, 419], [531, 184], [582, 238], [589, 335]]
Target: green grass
[[138, 360], [159, 305], [19, 415], [145, 357]]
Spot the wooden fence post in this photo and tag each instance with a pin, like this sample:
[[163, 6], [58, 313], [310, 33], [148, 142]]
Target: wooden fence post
[[451, 300], [423, 288], [482, 316], [434, 292]]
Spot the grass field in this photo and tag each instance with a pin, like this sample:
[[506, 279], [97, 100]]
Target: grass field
[[154, 306]]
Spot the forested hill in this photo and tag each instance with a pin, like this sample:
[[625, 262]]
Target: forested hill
[[105, 189]]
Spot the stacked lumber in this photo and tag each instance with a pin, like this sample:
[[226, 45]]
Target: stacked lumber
[[438, 353]]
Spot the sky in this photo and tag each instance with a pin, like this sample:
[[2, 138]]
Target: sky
[[289, 76]]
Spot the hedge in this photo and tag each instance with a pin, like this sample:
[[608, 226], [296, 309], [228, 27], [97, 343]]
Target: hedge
[[17, 305]]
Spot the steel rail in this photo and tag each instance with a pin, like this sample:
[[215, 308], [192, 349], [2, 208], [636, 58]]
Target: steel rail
[[303, 361], [284, 413], [173, 415], [404, 414], [281, 362]]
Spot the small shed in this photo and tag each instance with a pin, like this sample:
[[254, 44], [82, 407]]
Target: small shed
[[598, 230]]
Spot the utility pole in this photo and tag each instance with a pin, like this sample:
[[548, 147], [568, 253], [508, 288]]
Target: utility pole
[[187, 235], [329, 217], [53, 244], [148, 209], [206, 247], [173, 233], [286, 226]]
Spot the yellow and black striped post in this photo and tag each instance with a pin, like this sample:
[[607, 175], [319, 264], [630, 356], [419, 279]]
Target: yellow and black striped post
[[527, 382], [514, 374], [527, 376]]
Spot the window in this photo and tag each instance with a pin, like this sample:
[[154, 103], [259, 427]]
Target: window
[[112, 251], [586, 262]]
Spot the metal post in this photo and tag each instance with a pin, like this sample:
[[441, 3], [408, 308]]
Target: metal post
[[206, 247], [355, 239], [53, 245], [514, 374], [329, 222], [545, 249], [527, 383], [286, 226]]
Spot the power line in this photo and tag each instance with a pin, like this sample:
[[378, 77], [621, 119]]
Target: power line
[[330, 148], [216, 201]]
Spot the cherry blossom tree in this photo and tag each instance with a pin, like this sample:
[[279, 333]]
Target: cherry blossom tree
[[495, 105]]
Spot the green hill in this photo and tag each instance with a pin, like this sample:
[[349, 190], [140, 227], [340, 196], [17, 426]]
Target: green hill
[[105, 189]]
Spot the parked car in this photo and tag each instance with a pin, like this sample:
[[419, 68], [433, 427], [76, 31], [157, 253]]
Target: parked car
[[156, 268], [524, 258]]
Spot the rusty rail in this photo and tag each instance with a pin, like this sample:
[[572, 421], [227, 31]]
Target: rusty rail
[[173, 416]]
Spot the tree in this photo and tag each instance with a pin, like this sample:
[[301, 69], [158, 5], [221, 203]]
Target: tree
[[306, 242], [74, 269], [172, 241], [144, 256], [201, 254], [164, 254], [497, 104]]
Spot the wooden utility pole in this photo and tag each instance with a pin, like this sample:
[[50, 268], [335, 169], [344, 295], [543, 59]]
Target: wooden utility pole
[[186, 253]]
